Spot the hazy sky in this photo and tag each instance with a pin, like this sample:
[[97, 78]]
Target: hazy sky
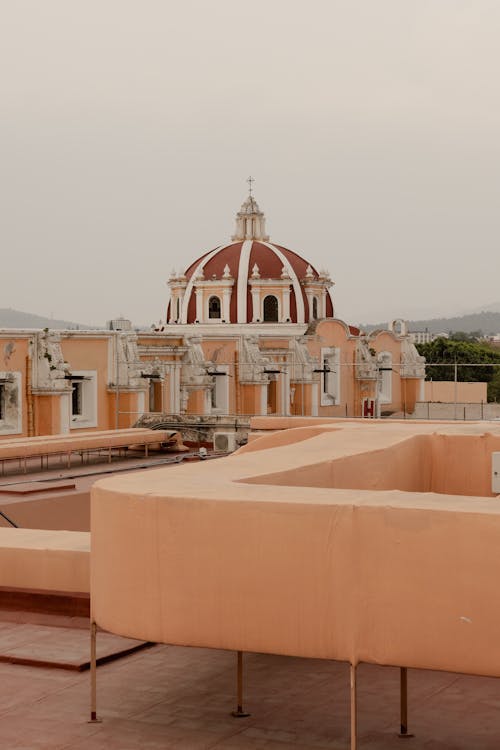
[[128, 128]]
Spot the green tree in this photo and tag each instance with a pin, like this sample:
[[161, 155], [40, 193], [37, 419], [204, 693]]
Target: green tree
[[474, 336], [470, 357], [494, 387]]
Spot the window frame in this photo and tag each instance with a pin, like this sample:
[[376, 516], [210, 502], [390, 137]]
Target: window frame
[[89, 403], [278, 311]]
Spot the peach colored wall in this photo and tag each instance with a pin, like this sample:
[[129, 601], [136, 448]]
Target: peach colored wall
[[446, 464], [385, 342], [410, 393], [45, 560], [405, 466], [127, 409], [384, 577], [196, 402], [251, 399], [333, 333], [62, 511], [303, 398], [47, 415], [445, 392], [91, 354], [461, 464]]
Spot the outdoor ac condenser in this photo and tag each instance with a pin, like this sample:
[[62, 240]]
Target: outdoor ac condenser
[[495, 473], [224, 442]]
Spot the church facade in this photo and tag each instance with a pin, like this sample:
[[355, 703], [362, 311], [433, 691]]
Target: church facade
[[250, 329]]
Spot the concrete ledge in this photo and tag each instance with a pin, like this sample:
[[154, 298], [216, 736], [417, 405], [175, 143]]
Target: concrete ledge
[[48, 561]]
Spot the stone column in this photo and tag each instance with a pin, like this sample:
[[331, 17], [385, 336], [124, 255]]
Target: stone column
[[199, 304]]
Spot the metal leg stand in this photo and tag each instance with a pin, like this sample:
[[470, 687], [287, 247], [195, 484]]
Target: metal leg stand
[[354, 709], [404, 734], [93, 675], [239, 713]]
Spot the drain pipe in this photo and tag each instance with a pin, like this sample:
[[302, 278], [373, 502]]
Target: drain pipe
[[29, 396]]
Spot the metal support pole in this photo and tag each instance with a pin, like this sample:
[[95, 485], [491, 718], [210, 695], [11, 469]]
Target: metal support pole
[[93, 675], [240, 713], [354, 709], [403, 676]]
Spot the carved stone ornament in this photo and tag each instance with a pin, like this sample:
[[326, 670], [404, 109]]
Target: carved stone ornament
[[49, 367]]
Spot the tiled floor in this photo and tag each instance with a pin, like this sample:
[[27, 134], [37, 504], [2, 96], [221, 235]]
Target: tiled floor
[[169, 697], [63, 647]]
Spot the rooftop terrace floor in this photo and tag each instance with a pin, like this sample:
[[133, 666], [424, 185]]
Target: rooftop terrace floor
[[171, 697]]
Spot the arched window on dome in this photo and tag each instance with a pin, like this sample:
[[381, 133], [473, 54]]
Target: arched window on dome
[[315, 308], [214, 308], [270, 309]]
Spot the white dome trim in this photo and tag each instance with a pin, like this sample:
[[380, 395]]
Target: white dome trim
[[246, 249], [301, 315], [191, 282]]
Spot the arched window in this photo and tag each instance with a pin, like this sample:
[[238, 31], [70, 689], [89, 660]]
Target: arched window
[[178, 310], [214, 307], [315, 308], [270, 309]]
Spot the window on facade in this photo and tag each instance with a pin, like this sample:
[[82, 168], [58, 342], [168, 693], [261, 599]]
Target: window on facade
[[270, 309], [326, 375], [10, 403], [155, 395], [315, 308], [83, 399], [214, 307], [272, 397], [178, 309], [77, 399], [384, 363], [330, 376], [219, 393]]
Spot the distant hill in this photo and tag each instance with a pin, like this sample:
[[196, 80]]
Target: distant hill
[[494, 307], [488, 322], [16, 319]]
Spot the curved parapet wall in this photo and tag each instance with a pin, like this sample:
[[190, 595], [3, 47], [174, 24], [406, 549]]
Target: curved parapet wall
[[342, 544]]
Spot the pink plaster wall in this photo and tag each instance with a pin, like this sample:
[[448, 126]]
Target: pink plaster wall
[[91, 354], [445, 392]]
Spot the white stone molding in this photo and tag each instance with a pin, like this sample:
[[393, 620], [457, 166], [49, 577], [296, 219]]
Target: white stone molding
[[295, 282], [190, 284], [250, 222], [49, 368], [255, 272], [199, 304], [243, 281], [253, 362], [11, 422], [366, 365]]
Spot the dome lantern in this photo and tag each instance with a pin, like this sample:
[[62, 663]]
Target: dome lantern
[[250, 220]]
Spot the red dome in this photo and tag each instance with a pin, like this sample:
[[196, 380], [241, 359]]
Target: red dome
[[248, 261]]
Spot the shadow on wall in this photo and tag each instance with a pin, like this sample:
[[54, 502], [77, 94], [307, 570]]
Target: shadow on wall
[[444, 464]]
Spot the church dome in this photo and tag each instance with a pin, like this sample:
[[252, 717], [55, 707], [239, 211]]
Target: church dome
[[249, 280]]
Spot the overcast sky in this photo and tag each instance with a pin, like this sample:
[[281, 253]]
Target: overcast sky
[[128, 129]]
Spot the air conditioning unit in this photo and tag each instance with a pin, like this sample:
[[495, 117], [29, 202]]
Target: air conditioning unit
[[224, 442], [495, 473]]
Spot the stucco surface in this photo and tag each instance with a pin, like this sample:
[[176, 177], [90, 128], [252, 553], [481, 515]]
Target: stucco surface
[[44, 560], [331, 544]]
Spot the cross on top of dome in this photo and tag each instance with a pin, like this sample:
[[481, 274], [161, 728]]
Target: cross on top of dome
[[250, 220]]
